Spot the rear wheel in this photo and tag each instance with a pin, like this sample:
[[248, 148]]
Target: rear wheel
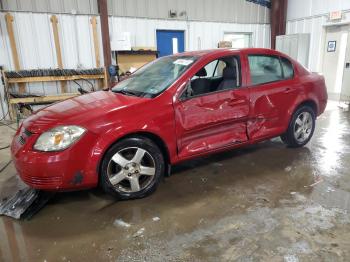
[[132, 168], [301, 127]]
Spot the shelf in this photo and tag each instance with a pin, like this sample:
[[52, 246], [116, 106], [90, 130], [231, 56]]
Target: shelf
[[42, 99], [52, 78]]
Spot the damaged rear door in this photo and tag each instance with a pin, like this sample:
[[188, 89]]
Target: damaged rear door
[[274, 90]]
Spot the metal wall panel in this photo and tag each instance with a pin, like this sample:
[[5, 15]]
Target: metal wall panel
[[305, 8], [36, 48], [198, 35], [238, 11]]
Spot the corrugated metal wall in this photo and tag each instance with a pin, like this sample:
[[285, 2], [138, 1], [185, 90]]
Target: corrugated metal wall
[[306, 8], [199, 35], [36, 48], [33, 33], [313, 25], [236, 11], [51, 6]]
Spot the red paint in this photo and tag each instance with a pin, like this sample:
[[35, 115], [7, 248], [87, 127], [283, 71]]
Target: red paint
[[189, 128]]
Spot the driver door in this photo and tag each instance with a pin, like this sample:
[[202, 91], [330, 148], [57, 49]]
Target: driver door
[[214, 119]]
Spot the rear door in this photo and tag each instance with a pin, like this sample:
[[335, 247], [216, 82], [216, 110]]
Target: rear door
[[214, 119], [274, 90]]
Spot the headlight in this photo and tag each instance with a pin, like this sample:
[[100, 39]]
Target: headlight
[[58, 138]]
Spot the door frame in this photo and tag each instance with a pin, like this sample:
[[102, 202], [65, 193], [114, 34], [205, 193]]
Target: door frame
[[174, 30], [241, 33], [323, 43]]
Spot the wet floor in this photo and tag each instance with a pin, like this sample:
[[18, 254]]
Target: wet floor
[[263, 202]]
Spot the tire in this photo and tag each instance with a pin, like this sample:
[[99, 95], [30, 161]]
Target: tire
[[301, 127], [132, 168]]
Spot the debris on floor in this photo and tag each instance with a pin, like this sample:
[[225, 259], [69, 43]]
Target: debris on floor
[[155, 219], [288, 169], [139, 232], [314, 184], [121, 223], [25, 203], [329, 189]]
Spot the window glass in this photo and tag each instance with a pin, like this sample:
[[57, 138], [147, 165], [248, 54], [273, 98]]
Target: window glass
[[287, 68], [264, 69], [218, 75], [155, 77]]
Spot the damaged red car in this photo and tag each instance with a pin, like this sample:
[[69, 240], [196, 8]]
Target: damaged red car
[[173, 109]]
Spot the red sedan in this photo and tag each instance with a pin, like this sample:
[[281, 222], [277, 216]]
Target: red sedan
[[175, 108]]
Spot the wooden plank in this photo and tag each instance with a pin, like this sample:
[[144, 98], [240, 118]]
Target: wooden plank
[[42, 99], [96, 41], [52, 78], [9, 26], [56, 37], [105, 80]]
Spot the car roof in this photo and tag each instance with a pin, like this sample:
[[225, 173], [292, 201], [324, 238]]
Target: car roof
[[224, 51]]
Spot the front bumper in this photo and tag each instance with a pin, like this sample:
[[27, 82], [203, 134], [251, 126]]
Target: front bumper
[[70, 169]]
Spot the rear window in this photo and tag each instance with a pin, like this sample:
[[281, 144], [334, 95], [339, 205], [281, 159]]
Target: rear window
[[264, 69]]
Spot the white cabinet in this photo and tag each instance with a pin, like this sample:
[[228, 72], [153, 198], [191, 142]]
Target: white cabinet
[[296, 46]]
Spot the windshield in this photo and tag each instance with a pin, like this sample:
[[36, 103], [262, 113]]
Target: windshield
[[153, 78]]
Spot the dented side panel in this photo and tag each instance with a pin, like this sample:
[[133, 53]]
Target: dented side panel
[[270, 108], [212, 121]]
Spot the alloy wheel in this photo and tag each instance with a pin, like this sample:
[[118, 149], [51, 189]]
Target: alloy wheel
[[303, 127], [131, 169]]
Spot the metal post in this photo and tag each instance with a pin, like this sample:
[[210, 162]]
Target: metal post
[[278, 17], [106, 44]]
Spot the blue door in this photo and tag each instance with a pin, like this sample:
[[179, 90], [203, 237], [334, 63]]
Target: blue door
[[170, 42]]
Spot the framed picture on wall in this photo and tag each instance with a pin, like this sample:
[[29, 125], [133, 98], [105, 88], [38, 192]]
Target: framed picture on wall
[[331, 46]]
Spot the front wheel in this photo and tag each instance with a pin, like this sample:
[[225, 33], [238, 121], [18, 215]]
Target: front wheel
[[132, 168], [301, 127]]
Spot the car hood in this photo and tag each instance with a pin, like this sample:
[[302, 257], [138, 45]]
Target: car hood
[[80, 110]]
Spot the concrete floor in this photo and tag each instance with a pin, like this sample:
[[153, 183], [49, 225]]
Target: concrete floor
[[264, 202]]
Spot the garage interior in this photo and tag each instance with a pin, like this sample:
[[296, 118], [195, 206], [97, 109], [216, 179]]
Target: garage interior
[[257, 203]]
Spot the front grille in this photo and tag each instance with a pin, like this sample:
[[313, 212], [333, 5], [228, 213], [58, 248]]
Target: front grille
[[22, 137], [53, 181], [27, 132], [21, 140]]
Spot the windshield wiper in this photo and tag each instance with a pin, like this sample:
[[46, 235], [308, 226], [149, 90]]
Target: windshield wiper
[[126, 92]]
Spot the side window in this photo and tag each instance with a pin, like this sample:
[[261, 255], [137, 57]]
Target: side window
[[288, 71], [264, 69], [218, 75]]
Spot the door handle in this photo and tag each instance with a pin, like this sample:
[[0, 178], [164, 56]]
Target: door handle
[[288, 90], [235, 102]]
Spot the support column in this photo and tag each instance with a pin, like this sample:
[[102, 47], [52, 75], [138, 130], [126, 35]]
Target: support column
[[278, 19], [106, 44]]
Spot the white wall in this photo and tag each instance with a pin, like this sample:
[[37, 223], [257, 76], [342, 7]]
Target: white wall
[[305, 8], [234, 11], [310, 16], [198, 35]]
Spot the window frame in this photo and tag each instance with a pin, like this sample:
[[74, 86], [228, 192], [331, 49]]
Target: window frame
[[239, 62], [279, 57], [292, 64]]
